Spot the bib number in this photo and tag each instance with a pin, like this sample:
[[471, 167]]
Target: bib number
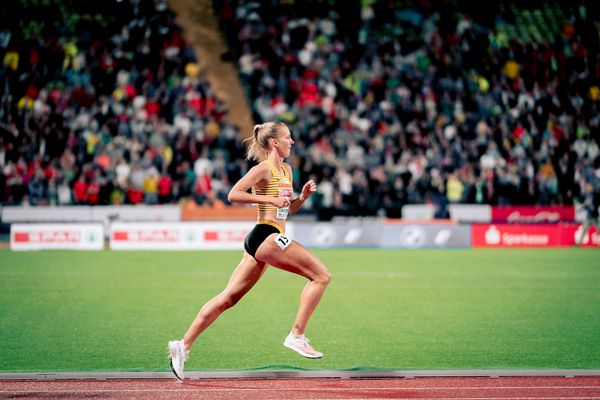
[[282, 213], [282, 241]]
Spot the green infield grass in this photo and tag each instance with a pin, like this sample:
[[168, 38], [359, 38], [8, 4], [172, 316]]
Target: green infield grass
[[385, 309]]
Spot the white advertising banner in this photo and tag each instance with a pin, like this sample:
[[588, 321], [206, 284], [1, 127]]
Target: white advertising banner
[[138, 213], [333, 234], [382, 234], [415, 236], [12, 214], [418, 212], [56, 237], [179, 235], [104, 214], [470, 213]]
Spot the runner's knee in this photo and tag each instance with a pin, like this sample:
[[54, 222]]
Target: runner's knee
[[324, 277]]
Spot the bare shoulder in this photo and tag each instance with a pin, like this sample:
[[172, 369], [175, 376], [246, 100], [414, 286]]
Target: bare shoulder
[[260, 173]]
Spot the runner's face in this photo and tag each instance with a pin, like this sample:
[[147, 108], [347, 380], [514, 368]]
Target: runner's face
[[284, 142]]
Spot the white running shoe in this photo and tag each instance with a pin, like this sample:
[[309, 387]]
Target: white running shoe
[[300, 345], [178, 354]]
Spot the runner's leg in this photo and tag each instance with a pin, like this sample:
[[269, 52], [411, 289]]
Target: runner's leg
[[297, 259], [247, 273]]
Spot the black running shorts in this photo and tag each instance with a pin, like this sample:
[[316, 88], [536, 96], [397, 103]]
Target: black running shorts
[[258, 235]]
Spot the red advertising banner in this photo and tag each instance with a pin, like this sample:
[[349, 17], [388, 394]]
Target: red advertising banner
[[573, 233], [526, 235], [533, 214]]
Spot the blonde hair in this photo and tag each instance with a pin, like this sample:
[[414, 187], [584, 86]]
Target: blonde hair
[[259, 141]]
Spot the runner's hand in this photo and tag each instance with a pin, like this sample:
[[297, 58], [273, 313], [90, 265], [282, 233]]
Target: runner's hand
[[309, 188], [280, 202]]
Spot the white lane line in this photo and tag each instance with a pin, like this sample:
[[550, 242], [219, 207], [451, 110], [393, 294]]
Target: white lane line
[[253, 374]]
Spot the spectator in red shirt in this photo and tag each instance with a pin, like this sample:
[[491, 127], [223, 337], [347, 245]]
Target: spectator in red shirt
[[203, 189], [165, 188], [80, 189], [93, 192], [135, 195]]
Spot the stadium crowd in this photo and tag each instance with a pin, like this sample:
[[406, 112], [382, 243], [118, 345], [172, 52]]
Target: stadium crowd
[[103, 103], [388, 105], [394, 105]]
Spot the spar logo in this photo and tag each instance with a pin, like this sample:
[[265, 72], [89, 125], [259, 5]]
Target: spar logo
[[285, 193], [50, 236], [225, 236], [147, 235]]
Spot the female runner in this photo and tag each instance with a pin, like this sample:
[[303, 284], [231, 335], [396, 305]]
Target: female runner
[[266, 244]]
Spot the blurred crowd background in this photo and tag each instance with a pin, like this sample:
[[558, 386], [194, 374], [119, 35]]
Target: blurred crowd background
[[389, 102]]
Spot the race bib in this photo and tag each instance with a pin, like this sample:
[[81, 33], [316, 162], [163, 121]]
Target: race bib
[[282, 213], [282, 241], [284, 191]]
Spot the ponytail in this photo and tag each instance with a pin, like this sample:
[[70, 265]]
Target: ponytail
[[259, 141]]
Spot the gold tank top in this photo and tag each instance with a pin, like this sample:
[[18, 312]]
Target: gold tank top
[[279, 186]]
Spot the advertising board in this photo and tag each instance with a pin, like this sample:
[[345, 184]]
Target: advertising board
[[382, 234], [533, 214], [414, 236], [470, 213], [533, 235], [178, 235], [56, 236], [343, 234]]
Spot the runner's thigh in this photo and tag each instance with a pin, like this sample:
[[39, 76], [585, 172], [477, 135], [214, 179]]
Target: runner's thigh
[[294, 258], [247, 273]]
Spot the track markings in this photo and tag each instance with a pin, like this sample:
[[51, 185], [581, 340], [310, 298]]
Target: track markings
[[304, 389]]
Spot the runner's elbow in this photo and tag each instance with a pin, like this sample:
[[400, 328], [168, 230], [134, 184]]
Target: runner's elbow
[[233, 196]]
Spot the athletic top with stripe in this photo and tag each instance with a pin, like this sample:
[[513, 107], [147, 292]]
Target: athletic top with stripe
[[273, 187]]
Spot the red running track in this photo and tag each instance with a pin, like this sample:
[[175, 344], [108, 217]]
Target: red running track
[[508, 388]]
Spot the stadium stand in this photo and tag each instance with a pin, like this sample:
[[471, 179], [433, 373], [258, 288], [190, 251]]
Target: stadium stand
[[391, 103], [398, 103], [104, 103]]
